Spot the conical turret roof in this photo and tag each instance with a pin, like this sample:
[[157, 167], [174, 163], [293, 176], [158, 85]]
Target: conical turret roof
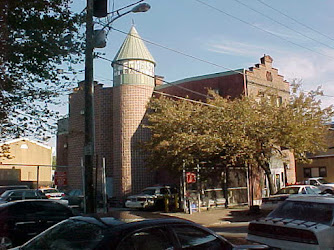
[[133, 47]]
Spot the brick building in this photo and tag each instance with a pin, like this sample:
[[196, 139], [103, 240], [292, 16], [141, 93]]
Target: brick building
[[120, 110]]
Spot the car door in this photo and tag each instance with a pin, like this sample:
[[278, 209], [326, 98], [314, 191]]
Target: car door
[[15, 195], [154, 238], [23, 221], [191, 237]]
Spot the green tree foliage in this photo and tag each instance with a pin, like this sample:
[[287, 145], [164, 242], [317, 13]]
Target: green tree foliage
[[240, 132], [36, 37]]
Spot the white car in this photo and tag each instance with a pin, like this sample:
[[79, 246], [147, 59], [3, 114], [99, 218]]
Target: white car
[[301, 222], [322, 184], [148, 198], [271, 202], [54, 194]]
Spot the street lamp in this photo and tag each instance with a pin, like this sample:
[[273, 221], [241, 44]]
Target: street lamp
[[89, 94]]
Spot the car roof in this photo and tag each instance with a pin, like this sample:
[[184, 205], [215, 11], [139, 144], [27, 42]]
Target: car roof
[[110, 222], [7, 204], [301, 185], [313, 199]]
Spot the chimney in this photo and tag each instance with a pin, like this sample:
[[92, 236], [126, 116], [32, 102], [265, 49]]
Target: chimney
[[159, 80], [267, 61]]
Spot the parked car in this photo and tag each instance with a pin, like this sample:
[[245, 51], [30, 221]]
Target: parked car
[[21, 194], [52, 193], [108, 233], [22, 220], [322, 184], [75, 198], [271, 202], [12, 187], [150, 197], [300, 222]]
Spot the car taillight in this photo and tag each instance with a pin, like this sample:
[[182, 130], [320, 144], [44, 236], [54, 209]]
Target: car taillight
[[62, 195], [48, 195]]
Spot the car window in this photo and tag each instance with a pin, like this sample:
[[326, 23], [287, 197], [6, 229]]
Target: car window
[[147, 239], [196, 238], [313, 182], [69, 235], [31, 194], [49, 191], [164, 191], [323, 181], [303, 191], [306, 211], [53, 209], [289, 190], [313, 190], [148, 191]]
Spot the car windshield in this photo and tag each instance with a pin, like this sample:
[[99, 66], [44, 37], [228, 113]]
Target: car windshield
[[288, 190], [323, 181], [306, 211], [69, 234], [148, 191], [48, 191]]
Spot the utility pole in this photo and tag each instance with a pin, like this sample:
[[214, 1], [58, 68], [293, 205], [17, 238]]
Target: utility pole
[[89, 112]]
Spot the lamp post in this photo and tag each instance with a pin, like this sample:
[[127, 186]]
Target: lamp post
[[89, 97]]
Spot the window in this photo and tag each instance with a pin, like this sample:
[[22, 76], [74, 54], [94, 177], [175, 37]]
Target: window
[[279, 101], [196, 238], [322, 172], [306, 211], [147, 239], [307, 173], [70, 234]]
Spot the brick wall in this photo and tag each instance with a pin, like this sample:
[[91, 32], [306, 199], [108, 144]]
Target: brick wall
[[129, 108], [226, 86]]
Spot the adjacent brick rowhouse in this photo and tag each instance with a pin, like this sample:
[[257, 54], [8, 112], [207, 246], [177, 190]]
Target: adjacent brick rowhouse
[[120, 113]]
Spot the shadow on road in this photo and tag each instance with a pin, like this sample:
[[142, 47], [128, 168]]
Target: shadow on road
[[244, 215]]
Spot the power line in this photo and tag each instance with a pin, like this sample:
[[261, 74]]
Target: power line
[[295, 20], [254, 26], [282, 24], [187, 55]]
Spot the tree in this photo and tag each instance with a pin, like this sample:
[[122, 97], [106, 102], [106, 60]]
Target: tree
[[240, 132], [36, 37]]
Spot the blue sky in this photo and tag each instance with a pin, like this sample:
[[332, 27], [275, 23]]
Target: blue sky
[[232, 36]]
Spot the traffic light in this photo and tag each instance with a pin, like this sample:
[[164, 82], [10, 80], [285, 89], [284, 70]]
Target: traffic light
[[100, 8]]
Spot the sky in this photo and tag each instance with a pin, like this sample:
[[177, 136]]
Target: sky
[[214, 36]]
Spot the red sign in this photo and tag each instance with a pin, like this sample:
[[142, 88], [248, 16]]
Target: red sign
[[191, 177], [60, 178]]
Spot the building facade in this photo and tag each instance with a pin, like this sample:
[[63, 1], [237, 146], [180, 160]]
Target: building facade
[[322, 164], [30, 163], [120, 112]]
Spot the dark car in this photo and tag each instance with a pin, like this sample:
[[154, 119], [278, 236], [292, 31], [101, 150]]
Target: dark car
[[109, 233], [75, 198], [22, 220], [12, 187], [21, 194]]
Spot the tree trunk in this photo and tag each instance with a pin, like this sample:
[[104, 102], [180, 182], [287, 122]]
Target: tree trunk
[[270, 180]]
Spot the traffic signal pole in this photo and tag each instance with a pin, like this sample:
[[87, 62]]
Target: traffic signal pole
[[89, 112]]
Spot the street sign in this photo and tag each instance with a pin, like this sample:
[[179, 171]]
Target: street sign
[[60, 178], [191, 177]]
